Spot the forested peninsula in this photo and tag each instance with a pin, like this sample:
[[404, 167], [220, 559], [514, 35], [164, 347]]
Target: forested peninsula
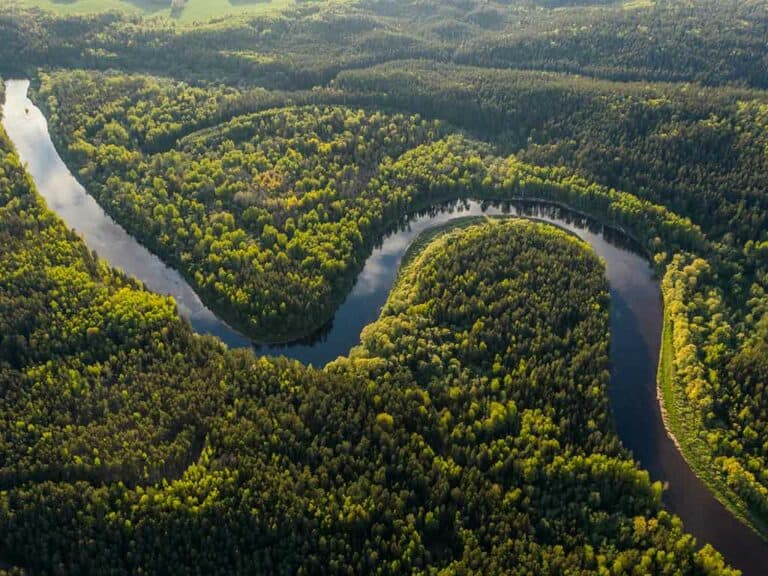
[[264, 157]]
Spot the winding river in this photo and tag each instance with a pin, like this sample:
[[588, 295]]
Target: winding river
[[635, 316]]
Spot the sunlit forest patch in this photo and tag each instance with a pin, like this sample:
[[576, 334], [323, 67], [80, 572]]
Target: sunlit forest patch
[[264, 157]]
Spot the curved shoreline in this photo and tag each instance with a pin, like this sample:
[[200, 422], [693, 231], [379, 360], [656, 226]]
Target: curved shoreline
[[635, 330], [315, 332], [669, 397]]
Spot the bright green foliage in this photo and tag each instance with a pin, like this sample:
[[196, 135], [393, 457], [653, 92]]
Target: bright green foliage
[[184, 11], [245, 189], [277, 198], [91, 367], [468, 433], [699, 151], [295, 197]]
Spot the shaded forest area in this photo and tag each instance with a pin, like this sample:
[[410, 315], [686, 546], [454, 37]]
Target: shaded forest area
[[427, 448], [273, 152]]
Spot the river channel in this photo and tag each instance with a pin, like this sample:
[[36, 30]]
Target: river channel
[[635, 315]]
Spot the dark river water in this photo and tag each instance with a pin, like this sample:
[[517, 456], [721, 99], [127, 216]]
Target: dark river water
[[635, 316]]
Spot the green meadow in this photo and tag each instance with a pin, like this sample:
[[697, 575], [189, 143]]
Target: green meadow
[[193, 10]]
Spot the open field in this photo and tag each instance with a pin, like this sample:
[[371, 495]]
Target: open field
[[195, 10]]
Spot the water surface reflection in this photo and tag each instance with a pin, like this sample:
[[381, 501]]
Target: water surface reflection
[[636, 315]]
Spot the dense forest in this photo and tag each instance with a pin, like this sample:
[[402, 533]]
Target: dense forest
[[264, 158], [713, 41], [292, 196], [427, 449], [280, 198], [697, 150]]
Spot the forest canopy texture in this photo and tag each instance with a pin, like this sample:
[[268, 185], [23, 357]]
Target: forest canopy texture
[[469, 433], [429, 448]]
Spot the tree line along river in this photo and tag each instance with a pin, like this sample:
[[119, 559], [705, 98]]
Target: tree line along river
[[635, 315]]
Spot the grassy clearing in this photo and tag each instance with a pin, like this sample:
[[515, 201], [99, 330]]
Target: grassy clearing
[[685, 425], [195, 10], [636, 4]]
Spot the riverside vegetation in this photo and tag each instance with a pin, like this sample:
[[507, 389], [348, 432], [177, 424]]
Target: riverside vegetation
[[452, 438], [267, 179]]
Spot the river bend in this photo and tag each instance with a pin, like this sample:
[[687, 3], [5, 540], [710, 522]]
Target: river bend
[[635, 316]]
